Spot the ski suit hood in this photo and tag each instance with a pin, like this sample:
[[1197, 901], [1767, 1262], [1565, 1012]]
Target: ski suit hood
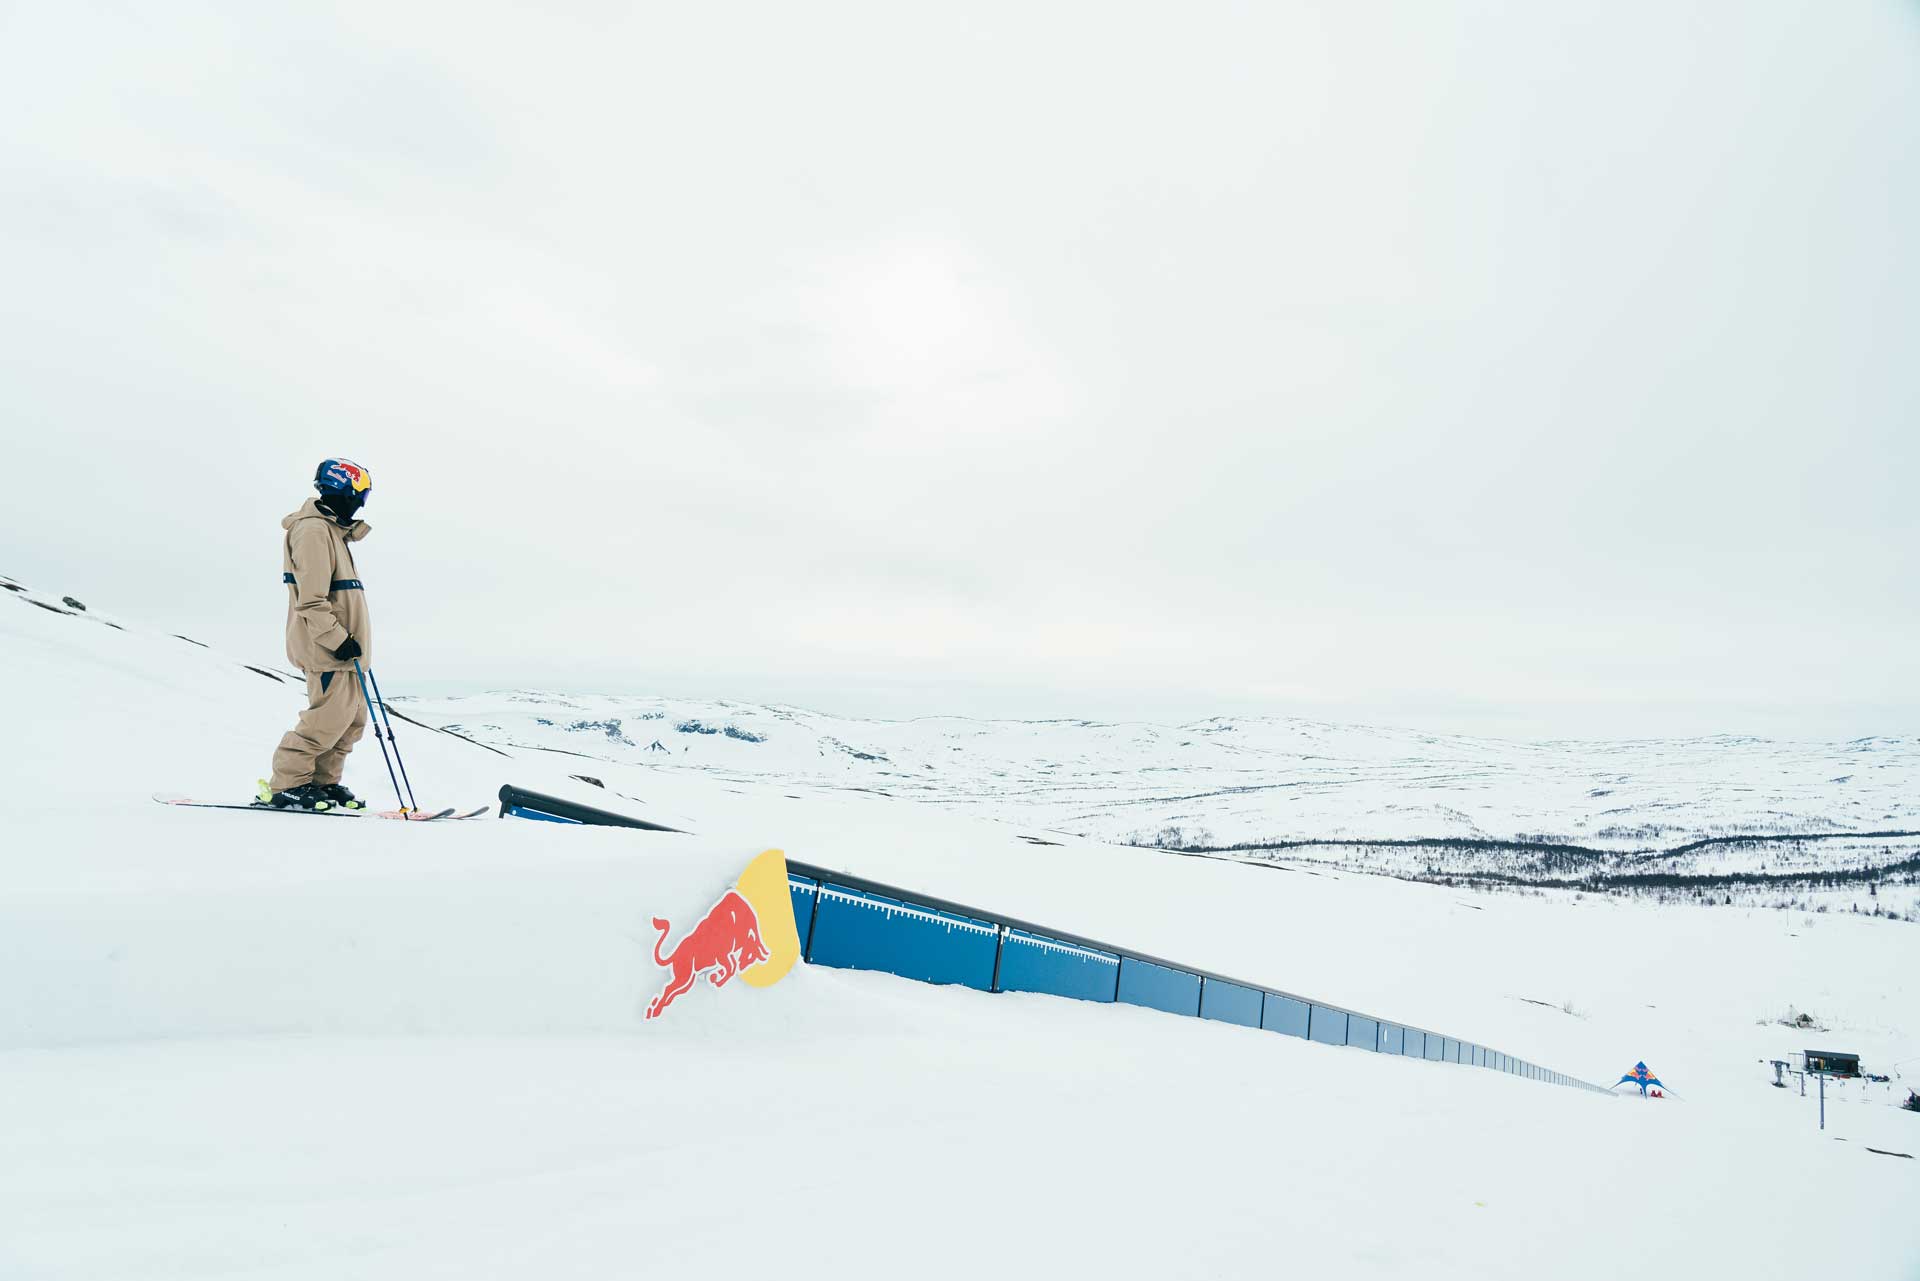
[[325, 601]]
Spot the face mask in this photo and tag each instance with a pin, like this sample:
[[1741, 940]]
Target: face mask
[[342, 507]]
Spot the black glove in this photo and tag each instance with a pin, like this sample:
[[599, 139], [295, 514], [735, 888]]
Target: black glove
[[349, 650]]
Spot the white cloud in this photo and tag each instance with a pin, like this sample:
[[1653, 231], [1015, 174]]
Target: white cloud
[[1380, 360], [934, 343]]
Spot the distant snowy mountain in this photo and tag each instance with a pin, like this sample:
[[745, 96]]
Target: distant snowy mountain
[[1657, 815], [1240, 781]]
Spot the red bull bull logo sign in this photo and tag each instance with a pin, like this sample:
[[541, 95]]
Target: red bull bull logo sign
[[749, 934]]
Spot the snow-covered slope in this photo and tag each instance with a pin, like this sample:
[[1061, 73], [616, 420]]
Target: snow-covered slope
[[1236, 780], [286, 1047]]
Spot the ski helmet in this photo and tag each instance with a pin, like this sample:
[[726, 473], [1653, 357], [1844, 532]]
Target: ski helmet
[[343, 487], [339, 476]]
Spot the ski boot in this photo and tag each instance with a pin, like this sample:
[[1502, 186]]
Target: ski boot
[[307, 796], [342, 799]]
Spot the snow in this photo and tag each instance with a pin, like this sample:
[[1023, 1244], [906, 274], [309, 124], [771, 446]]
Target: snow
[[929, 1132], [239, 1044], [1239, 780]]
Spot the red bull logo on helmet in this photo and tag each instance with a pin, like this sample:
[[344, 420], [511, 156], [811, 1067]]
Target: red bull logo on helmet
[[340, 475], [749, 933]]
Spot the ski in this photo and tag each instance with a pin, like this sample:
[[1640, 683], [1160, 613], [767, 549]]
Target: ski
[[412, 816], [251, 805]]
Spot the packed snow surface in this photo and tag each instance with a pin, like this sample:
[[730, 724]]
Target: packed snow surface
[[290, 1047]]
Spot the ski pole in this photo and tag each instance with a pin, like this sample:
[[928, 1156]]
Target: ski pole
[[381, 703], [361, 677]]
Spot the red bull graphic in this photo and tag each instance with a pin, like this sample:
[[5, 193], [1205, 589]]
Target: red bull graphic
[[726, 941], [1641, 1077], [730, 939], [340, 474]]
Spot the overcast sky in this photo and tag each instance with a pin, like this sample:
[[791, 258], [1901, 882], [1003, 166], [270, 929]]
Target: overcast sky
[[1540, 368]]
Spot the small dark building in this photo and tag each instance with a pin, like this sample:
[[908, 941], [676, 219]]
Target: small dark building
[[1832, 1063]]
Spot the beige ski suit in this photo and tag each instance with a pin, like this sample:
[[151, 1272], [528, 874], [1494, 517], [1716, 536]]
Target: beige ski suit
[[325, 605]]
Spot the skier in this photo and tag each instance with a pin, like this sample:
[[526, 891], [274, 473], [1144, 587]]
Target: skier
[[327, 630]]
